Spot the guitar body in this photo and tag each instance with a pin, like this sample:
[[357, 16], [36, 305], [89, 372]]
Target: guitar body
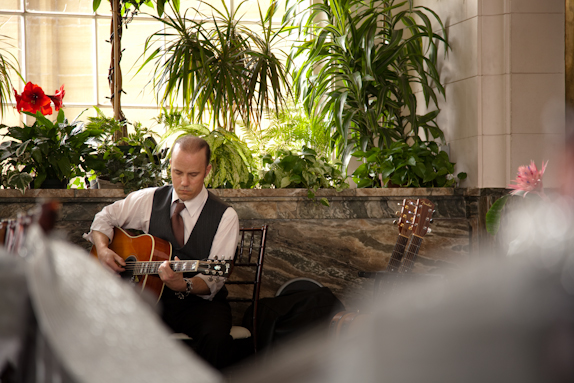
[[140, 248]]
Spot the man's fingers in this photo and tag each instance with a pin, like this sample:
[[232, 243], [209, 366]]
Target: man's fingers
[[119, 260]]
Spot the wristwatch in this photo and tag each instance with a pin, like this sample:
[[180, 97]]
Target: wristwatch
[[188, 288]]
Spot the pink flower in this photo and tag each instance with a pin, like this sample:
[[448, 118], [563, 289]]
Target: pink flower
[[529, 179]]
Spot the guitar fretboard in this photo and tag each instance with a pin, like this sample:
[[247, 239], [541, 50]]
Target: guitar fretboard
[[411, 255], [152, 267], [398, 251]]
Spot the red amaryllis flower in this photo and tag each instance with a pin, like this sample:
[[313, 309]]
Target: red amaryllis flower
[[529, 179], [33, 99], [18, 100], [57, 98]]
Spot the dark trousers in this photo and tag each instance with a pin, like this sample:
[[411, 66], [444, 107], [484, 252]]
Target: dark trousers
[[207, 322]]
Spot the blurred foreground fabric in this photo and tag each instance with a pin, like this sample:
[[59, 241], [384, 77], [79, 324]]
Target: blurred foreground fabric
[[63, 318]]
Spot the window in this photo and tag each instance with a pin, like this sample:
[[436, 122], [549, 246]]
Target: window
[[63, 42]]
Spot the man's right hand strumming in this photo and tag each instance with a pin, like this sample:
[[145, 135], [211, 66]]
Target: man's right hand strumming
[[108, 258]]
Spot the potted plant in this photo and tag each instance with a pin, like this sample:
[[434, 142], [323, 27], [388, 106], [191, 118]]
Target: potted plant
[[290, 129], [231, 159], [47, 153], [8, 63], [301, 170], [356, 64], [132, 162], [223, 70], [422, 164]]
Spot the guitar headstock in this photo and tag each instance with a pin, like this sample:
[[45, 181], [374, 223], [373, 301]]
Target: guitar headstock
[[406, 217], [423, 217], [215, 268]]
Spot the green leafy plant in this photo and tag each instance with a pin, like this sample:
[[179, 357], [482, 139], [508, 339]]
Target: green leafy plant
[[220, 67], [291, 129], [135, 161], [8, 63], [46, 150], [231, 158], [356, 64], [301, 170], [422, 164]]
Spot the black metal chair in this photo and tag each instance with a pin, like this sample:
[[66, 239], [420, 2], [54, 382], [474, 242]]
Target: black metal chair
[[244, 283]]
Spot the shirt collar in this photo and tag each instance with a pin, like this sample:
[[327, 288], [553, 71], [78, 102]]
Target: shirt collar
[[199, 199]]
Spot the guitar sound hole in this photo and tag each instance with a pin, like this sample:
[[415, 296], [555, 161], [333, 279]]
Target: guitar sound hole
[[128, 274]]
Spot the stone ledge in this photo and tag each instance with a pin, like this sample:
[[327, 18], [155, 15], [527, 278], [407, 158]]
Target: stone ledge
[[262, 193]]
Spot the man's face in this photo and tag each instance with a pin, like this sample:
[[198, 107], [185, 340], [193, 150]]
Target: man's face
[[188, 172]]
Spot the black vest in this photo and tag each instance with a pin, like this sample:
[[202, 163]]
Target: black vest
[[198, 245]]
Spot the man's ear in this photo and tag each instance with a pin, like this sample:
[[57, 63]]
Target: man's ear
[[207, 169]]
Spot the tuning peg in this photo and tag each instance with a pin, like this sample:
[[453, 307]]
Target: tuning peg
[[397, 212], [429, 230], [431, 220], [395, 222]]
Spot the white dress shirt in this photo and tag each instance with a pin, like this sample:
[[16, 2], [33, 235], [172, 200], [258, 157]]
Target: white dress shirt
[[134, 212]]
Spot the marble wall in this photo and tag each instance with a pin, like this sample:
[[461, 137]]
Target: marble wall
[[306, 239]]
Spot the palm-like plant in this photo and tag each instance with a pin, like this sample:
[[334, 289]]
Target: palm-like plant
[[220, 67], [232, 161], [360, 60], [8, 63], [291, 129]]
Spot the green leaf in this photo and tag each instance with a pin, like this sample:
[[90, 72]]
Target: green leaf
[[40, 178], [365, 182], [160, 7], [494, 214], [60, 117], [285, 181], [36, 154], [20, 180]]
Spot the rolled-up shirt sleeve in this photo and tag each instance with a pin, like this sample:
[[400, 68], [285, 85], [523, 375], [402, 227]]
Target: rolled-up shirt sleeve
[[132, 212], [224, 247]]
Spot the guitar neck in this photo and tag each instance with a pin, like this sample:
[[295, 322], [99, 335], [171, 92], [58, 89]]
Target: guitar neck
[[397, 256], [411, 255], [152, 267], [210, 267]]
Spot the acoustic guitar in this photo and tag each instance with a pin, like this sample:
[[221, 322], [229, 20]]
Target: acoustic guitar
[[342, 320], [423, 218], [413, 224], [144, 254]]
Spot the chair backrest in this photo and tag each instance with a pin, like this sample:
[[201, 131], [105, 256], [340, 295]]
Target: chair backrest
[[244, 283]]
